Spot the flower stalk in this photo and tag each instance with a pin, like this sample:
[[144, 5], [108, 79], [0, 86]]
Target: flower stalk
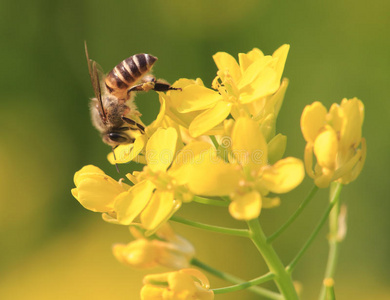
[[282, 278]]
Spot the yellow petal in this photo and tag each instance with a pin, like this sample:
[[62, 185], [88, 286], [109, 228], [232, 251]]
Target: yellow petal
[[312, 120], [226, 62], [97, 192], [86, 170], [249, 147], [209, 118], [351, 132], [283, 176], [209, 175], [195, 97], [126, 153], [254, 71], [246, 207], [247, 59], [323, 179], [266, 83], [326, 148], [281, 56], [160, 208], [189, 155], [130, 204], [160, 149]]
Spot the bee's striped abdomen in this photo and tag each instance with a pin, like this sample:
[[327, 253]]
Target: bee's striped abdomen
[[127, 73]]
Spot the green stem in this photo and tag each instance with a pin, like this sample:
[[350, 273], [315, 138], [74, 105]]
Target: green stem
[[233, 279], [282, 279], [333, 201], [334, 242], [301, 207], [245, 285], [209, 201], [215, 142], [231, 231]]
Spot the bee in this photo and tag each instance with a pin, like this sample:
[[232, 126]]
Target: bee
[[113, 107]]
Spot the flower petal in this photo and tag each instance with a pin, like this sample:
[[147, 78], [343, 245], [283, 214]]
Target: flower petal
[[97, 192], [249, 147], [189, 155], [281, 56], [209, 118], [283, 176], [160, 208], [326, 148], [226, 62], [264, 85], [312, 120], [130, 204], [209, 175], [351, 132], [160, 149], [254, 71], [194, 97], [126, 153], [246, 207], [246, 59]]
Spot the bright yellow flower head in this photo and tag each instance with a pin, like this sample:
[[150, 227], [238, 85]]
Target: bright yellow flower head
[[157, 192], [165, 249], [236, 87], [335, 139], [186, 284], [248, 177]]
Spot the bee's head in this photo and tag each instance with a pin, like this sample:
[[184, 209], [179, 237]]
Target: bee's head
[[116, 138]]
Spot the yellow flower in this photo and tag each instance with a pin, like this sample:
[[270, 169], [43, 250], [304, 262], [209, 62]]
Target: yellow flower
[[186, 284], [95, 190], [334, 138], [248, 177], [164, 249], [255, 77], [157, 193]]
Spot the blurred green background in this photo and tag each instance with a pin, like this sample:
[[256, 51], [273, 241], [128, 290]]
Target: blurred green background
[[53, 248]]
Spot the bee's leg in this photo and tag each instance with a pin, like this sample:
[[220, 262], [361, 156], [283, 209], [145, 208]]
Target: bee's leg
[[163, 86], [151, 83], [134, 124]]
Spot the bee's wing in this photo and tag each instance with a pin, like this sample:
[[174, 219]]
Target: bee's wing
[[96, 75]]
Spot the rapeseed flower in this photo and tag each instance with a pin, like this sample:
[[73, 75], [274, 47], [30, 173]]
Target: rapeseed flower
[[185, 284], [157, 193], [165, 248], [237, 87], [247, 177], [335, 139]]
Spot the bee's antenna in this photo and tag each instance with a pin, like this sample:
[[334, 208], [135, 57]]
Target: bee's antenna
[[116, 165]]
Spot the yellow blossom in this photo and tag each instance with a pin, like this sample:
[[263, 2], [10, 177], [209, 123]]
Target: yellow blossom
[[95, 190], [335, 139], [165, 249], [255, 77], [185, 284], [157, 193], [248, 177]]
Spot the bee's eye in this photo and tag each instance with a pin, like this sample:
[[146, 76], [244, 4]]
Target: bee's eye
[[118, 137]]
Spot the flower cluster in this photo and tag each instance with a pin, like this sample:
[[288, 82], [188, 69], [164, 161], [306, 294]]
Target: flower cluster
[[218, 143], [334, 137]]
